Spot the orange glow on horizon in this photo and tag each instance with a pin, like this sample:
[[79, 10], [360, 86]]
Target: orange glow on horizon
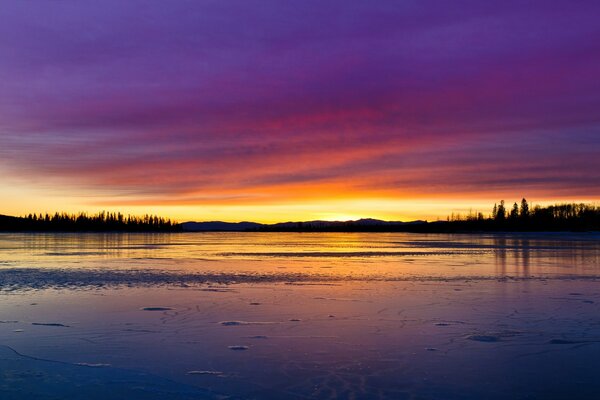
[[322, 204]]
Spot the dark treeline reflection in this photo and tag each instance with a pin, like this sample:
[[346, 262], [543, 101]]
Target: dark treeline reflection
[[83, 222]]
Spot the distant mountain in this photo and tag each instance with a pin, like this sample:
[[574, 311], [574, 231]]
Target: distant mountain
[[6, 219], [328, 224], [220, 226], [366, 223], [361, 224]]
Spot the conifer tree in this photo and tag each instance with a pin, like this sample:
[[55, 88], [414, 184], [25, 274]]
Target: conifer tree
[[524, 213]]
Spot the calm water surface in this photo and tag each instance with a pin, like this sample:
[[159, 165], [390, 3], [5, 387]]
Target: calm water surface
[[298, 316]]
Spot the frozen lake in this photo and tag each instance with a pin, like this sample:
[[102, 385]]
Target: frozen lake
[[299, 315]]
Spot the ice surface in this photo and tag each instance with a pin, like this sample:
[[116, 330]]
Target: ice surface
[[23, 377], [470, 317], [238, 347]]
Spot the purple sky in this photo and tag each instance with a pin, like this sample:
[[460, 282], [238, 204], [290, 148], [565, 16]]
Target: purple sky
[[230, 103]]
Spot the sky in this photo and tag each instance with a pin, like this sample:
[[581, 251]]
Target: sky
[[293, 110]]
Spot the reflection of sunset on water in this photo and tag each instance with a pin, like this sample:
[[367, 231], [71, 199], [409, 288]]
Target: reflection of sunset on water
[[299, 315], [324, 255]]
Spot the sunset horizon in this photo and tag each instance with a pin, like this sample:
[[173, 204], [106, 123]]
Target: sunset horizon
[[268, 214], [270, 199], [204, 112]]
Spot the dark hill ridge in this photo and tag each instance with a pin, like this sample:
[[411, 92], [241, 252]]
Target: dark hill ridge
[[8, 220], [365, 223], [220, 226]]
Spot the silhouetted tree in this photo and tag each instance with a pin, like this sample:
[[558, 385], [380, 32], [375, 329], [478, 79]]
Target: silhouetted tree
[[501, 212], [514, 213], [524, 212]]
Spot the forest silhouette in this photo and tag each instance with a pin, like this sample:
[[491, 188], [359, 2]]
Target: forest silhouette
[[82, 222], [522, 217]]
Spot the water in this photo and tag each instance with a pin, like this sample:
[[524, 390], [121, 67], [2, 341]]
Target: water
[[295, 316]]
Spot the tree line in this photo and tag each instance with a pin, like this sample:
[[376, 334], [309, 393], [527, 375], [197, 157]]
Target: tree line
[[84, 222], [522, 217]]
